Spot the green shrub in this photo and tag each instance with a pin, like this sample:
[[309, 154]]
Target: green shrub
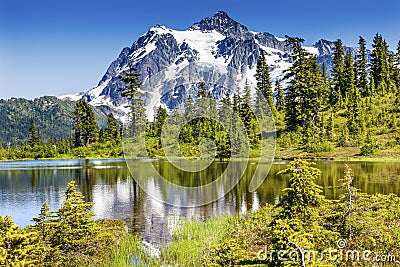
[[322, 146]]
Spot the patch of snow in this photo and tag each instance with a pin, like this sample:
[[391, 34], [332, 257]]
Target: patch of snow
[[74, 97], [143, 51], [204, 43], [311, 50], [280, 39], [173, 70], [95, 92], [275, 60], [101, 100]]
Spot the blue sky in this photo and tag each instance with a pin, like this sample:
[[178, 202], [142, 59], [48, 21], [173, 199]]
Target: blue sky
[[58, 47]]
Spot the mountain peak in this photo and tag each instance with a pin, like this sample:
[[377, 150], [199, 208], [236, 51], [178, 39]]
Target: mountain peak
[[222, 15], [222, 23]]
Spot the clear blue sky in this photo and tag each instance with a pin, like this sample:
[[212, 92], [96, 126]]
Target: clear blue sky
[[57, 47]]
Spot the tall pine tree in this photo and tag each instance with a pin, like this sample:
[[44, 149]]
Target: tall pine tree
[[279, 96], [396, 78], [85, 127], [264, 86], [379, 69], [337, 92], [112, 131], [307, 88], [137, 116], [33, 138], [362, 74]]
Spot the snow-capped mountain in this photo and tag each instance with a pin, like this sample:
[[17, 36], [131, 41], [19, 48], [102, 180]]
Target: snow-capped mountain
[[218, 50]]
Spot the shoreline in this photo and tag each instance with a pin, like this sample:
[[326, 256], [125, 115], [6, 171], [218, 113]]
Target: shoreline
[[276, 159]]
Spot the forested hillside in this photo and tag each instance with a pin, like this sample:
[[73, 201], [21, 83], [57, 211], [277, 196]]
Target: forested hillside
[[52, 118]]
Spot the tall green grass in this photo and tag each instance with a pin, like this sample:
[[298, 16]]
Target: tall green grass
[[130, 252], [192, 240], [189, 247]]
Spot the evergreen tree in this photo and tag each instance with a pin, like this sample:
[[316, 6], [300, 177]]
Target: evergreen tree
[[349, 82], [41, 223], [18, 247], [188, 133], [372, 88], [307, 89], [379, 59], [249, 119], [33, 138], [137, 116], [330, 128], [337, 92], [280, 96], [302, 192], [396, 66], [112, 130], [362, 74], [85, 127], [159, 121], [202, 90], [75, 230], [264, 86], [45, 226], [246, 106], [226, 117], [237, 99]]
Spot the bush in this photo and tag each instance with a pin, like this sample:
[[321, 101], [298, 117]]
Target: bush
[[321, 146], [369, 147], [287, 140]]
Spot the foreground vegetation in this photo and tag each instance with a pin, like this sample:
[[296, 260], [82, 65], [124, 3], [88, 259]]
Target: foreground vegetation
[[304, 222], [66, 237], [359, 229]]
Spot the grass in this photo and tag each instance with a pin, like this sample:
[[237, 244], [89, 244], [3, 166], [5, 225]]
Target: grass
[[192, 241], [129, 251], [189, 247]]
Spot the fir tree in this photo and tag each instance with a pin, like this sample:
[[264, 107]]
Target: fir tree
[[33, 138], [249, 119], [330, 128], [85, 127], [280, 96], [302, 192], [112, 130], [159, 121], [307, 89], [237, 99], [18, 247], [75, 229], [137, 116], [362, 74], [379, 69], [337, 92], [202, 90], [396, 66], [349, 82], [264, 86], [226, 117]]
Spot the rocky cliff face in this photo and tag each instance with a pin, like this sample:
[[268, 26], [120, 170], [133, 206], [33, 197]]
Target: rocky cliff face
[[218, 50]]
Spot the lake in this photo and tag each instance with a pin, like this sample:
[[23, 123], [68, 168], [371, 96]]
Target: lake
[[25, 185]]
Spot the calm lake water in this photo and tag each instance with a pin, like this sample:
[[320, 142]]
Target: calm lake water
[[25, 185]]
